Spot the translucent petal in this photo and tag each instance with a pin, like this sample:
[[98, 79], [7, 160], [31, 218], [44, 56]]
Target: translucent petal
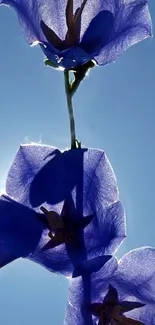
[[107, 28], [132, 24], [44, 176], [134, 281], [20, 230], [81, 295]]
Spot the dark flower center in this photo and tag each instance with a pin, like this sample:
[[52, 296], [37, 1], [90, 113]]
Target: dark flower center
[[69, 238], [62, 236], [64, 228], [73, 22], [53, 218], [58, 232], [111, 310]]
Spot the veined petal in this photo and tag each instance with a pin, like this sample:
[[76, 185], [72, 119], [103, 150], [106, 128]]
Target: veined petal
[[20, 230], [98, 33], [80, 293], [103, 29], [31, 13], [134, 280], [44, 176], [132, 24]]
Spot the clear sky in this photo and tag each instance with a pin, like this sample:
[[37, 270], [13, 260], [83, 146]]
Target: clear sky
[[115, 111]]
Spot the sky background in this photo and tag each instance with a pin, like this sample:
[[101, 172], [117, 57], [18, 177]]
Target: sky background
[[115, 111]]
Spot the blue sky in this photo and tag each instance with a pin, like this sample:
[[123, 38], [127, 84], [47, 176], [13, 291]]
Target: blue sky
[[115, 111]]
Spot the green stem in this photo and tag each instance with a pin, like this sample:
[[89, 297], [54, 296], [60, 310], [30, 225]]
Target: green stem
[[74, 142], [80, 74]]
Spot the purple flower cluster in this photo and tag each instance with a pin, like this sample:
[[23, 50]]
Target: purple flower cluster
[[62, 210]]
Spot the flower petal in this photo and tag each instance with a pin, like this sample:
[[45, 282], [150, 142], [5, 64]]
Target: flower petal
[[6, 255], [132, 24], [20, 230], [98, 33], [31, 13], [134, 280], [137, 270], [107, 229], [44, 176], [36, 176], [90, 266], [80, 298]]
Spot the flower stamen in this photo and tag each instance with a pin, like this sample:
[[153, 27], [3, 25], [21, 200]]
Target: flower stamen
[[73, 22], [57, 232], [78, 13], [69, 13], [53, 219], [111, 310]]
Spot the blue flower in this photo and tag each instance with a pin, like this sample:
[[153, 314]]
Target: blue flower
[[72, 33], [64, 207], [112, 292]]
